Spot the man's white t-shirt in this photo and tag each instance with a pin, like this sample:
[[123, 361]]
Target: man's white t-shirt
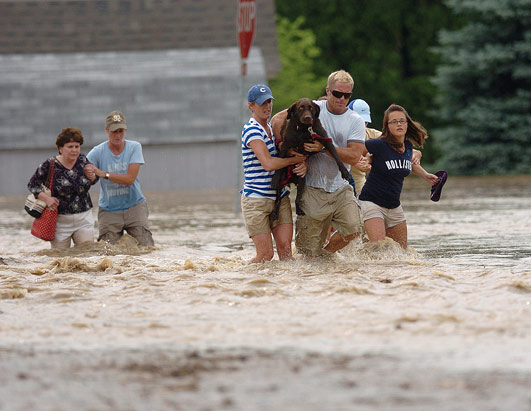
[[343, 128]]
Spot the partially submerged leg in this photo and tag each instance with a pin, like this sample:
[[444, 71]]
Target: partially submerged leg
[[398, 233], [283, 234], [264, 248], [136, 223], [346, 220], [375, 229], [111, 225], [337, 242]]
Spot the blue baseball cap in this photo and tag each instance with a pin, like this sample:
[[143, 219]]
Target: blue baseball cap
[[259, 94], [362, 108]]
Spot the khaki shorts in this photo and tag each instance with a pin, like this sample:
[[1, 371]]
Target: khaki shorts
[[256, 214], [78, 227], [391, 216], [134, 220], [359, 179], [339, 209]]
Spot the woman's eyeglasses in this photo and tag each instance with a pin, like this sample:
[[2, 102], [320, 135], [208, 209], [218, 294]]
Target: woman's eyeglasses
[[395, 122], [339, 94]]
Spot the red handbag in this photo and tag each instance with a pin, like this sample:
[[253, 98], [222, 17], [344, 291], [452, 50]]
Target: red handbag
[[44, 226]]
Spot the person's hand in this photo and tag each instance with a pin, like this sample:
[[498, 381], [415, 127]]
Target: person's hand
[[432, 179], [296, 157], [363, 164], [293, 153], [90, 172], [313, 147], [51, 202], [300, 169]]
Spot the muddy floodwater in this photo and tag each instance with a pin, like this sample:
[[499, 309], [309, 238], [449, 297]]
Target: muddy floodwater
[[189, 325]]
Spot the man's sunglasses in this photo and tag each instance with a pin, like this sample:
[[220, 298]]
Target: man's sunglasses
[[339, 94]]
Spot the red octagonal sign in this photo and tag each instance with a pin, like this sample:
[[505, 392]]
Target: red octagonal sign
[[246, 22]]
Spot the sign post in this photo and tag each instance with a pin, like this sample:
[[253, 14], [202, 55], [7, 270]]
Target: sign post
[[246, 23]]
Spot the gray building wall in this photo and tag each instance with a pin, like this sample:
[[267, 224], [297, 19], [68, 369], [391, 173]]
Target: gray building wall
[[167, 167], [68, 26], [185, 106]]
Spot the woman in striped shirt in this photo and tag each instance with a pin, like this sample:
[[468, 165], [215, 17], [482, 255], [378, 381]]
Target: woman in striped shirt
[[260, 161]]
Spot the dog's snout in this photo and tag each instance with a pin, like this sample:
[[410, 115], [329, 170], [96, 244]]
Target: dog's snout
[[307, 117]]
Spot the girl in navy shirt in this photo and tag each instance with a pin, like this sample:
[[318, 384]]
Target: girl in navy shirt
[[391, 163]]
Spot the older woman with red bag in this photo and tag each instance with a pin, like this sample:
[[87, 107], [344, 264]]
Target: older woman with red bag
[[69, 195]]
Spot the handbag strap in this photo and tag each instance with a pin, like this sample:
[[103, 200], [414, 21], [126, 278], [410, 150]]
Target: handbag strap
[[49, 179]]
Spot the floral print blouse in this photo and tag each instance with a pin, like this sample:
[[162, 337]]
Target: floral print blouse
[[70, 187]]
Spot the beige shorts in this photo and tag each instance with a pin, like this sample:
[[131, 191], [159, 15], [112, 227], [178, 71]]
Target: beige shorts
[[78, 227], [256, 214], [391, 216], [359, 179], [339, 209], [134, 220]]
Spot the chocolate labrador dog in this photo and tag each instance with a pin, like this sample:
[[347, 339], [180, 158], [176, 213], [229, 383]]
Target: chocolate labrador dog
[[302, 125]]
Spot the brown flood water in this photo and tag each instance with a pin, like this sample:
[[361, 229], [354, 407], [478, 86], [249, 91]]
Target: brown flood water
[[189, 325]]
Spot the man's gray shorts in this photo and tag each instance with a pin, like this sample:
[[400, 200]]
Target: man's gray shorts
[[134, 220]]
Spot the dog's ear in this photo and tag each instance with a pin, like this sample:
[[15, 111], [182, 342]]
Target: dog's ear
[[291, 111], [317, 109]]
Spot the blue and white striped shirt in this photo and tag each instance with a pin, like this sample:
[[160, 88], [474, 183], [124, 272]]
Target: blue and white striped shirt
[[257, 180]]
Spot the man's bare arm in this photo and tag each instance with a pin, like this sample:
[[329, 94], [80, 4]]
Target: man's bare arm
[[276, 123]]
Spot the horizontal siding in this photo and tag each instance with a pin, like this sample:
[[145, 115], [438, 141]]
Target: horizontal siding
[[167, 96], [66, 26]]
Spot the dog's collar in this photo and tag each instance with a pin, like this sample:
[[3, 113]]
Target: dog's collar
[[317, 136]]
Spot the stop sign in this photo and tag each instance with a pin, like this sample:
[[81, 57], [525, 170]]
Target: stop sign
[[246, 20]]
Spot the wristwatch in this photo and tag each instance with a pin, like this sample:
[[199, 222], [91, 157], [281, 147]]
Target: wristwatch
[[107, 175]]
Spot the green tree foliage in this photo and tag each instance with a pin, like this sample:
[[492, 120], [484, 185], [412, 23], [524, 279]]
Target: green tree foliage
[[386, 45], [486, 89], [298, 57]]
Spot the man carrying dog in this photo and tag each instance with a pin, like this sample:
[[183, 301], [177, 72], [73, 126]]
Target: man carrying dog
[[328, 198]]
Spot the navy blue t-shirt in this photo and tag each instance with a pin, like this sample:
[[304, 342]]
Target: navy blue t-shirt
[[388, 170]]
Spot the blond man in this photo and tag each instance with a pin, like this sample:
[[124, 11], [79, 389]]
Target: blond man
[[328, 198]]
